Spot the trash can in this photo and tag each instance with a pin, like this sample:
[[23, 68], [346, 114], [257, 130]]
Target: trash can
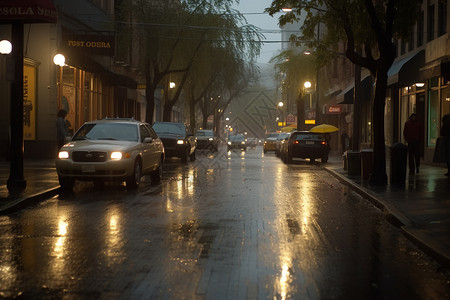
[[344, 160], [354, 163], [398, 158], [366, 163]]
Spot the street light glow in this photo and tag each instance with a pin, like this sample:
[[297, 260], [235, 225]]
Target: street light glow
[[59, 60], [5, 47], [307, 84], [172, 85], [280, 104]]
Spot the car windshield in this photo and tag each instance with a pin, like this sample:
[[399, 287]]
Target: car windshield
[[107, 131], [205, 133], [282, 136], [238, 137], [307, 136], [170, 128], [272, 135]]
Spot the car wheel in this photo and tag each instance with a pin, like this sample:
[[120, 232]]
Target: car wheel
[[192, 156], [289, 158], [66, 183], [135, 178], [157, 174], [324, 159]]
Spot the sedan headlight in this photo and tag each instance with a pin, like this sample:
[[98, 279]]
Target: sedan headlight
[[180, 142], [229, 143], [243, 143], [210, 139], [117, 155], [63, 154]]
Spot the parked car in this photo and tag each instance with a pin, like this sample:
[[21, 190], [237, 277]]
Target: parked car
[[111, 150], [281, 138], [207, 140], [270, 142], [236, 142], [252, 142], [305, 144], [177, 139]]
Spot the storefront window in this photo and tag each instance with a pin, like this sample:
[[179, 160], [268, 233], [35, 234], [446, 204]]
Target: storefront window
[[404, 114], [433, 117], [445, 101]]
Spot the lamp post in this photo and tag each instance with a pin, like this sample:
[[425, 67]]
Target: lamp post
[[60, 61], [16, 181]]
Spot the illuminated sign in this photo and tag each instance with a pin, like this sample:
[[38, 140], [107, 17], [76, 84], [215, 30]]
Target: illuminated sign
[[95, 44], [334, 109]]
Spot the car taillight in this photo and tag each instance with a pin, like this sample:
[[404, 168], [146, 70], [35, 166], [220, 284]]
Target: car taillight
[[324, 143], [295, 142]]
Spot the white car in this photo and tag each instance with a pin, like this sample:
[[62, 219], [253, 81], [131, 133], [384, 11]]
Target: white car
[[111, 150]]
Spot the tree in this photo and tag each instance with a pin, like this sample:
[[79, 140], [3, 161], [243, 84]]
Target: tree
[[294, 68], [173, 34], [367, 25]]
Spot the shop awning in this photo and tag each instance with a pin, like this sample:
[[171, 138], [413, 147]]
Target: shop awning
[[406, 70], [31, 11], [438, 68], [346, 96]]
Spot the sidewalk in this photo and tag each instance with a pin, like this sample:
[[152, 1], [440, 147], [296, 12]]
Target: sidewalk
[[420, 208], [41, 179]]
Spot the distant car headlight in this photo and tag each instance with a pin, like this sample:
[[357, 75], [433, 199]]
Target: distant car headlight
[[63, 154], [229, 143], [243, 143], [180, 142], [210, 139]]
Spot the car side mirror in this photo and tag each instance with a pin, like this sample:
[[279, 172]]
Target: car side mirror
[[148, 140]]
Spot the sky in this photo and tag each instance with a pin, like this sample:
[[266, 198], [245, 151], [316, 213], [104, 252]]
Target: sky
[[253, 10]]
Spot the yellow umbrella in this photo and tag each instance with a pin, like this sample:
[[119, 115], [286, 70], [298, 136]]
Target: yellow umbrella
[[324, 128], [288, 129]]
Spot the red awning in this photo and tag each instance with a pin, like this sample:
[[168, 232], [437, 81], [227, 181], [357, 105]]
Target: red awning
[[32, 11]]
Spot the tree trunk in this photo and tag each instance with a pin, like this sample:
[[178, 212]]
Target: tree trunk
[[192, 114], [167, 113], [379, 177], [356, 110], [150, 96]]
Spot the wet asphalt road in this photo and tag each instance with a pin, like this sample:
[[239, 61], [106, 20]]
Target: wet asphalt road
[[236, 225]]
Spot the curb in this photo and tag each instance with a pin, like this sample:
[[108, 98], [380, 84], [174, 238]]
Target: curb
[[436, 250], [22, 202]]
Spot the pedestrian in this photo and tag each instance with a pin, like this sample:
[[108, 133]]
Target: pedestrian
[[412, 133], [445, 132], [345, 140], [61, 128]]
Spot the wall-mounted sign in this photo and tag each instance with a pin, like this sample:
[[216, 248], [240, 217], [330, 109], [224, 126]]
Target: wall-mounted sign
[[34, 11], [95, 44], [334, 109]]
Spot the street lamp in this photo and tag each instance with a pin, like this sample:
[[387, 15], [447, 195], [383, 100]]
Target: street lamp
[[5, 47], [172, 85]]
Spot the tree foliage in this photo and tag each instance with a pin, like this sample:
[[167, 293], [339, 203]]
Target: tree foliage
[[370, 25], [179, 41]]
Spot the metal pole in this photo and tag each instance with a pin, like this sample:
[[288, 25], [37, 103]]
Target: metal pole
[[16, 181]]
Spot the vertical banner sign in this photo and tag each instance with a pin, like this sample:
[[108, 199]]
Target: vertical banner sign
[[29, 102]]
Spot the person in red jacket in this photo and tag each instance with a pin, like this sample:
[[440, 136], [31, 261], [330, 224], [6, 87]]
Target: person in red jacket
[[412, 133]]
